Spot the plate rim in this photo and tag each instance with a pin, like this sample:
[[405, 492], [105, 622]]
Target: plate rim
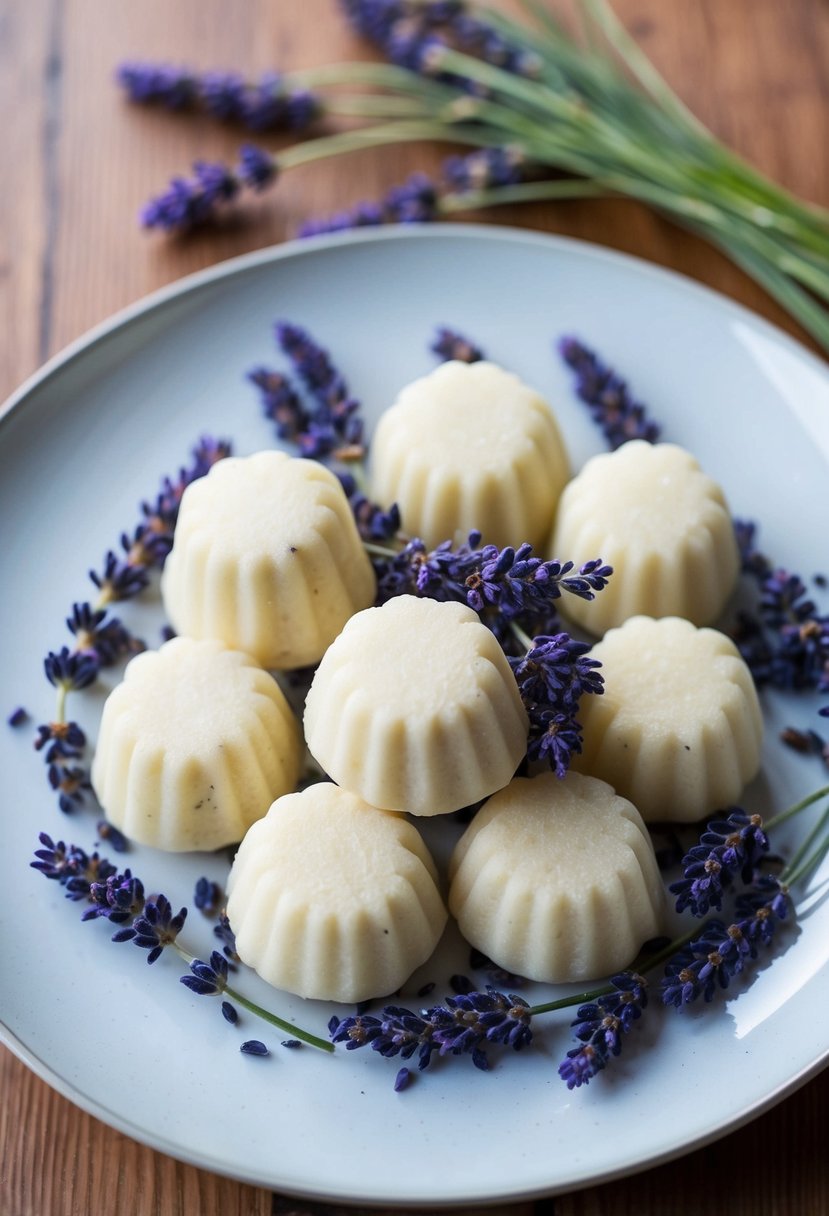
[[238, 265]]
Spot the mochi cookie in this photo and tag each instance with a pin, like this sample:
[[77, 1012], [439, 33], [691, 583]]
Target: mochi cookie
[[679, 728], [557, 880], [332, 898], [470, 446], [414, 707], [266, 558], [651, 513], [194, 745]]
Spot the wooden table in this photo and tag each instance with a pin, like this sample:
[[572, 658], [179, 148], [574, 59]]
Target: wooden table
[[77, 164]]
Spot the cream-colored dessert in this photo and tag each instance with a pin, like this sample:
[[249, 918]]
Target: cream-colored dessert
[[678, 729], [661, 523], [557, 880], [414, 707], [470, 446], [194, 746], [334, 899], [267, 559]]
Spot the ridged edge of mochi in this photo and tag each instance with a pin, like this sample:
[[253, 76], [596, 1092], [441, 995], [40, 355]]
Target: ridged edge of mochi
[[510, 506], [370, 955], [710, 761], [501, 915], [381, 753], [695, 580], [285, 608], [143, 788]]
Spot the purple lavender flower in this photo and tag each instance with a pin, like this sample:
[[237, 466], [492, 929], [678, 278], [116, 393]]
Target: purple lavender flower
[[71, 866], [266, 105], [280, 402], [119, 898], [189, 202], [413, 202], [333, 426], [227, 937], [156, 928], [112, 835], [483, 169], [599, 1027], [413, 35], [449, 344], [119, 580], [373, 522], [66, 740], [207, 979], [104, 639], [208, 896], [174, 88], [71, 669], [402, 1080], [257, 168], [722, 951], [502, 585], [464, 1025], [785, 638], [18, 716], [553, 676], [229, 1013], [607, 396], [727, 848]]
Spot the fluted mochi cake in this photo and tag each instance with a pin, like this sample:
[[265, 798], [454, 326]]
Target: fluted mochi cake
[[332, 898], [470, 446], [679, 729], [414, 707], [267, 558], [651, 513], [557, 880], [194, 745]]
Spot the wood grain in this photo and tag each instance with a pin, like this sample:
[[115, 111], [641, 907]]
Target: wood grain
[[80, 162]]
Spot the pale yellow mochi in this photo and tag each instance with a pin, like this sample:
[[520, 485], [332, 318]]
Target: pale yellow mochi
[[194, 745], [470, 446], [678, 729], [650, 512], [414, 707], [334, 899], [267, 559], [557, 880]]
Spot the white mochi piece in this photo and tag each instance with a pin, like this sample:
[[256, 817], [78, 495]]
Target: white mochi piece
[[679, 728], [334, 899], [194, 745], [267, 559], [557, 880], [414, 707], [470, 446], [662, 524]]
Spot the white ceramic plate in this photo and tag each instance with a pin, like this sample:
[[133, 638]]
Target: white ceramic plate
[[88, 438]]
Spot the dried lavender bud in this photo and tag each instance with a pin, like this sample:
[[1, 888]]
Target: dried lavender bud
[[18, 716], [208, 896], [253, 1047], [112, 835], [402, 1080], [207, 979], [229, 1013]]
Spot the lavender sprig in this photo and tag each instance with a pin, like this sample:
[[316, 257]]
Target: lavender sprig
[[502, 585], [599, 1027], [727, 849], [269, 104], [785, 638], [721, 951], [449, 344], [190, 202], [611, 404], [149, 924], [463, 1025]]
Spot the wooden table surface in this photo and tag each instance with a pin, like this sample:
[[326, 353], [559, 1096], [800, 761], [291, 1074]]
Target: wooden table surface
[[78, 163]]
